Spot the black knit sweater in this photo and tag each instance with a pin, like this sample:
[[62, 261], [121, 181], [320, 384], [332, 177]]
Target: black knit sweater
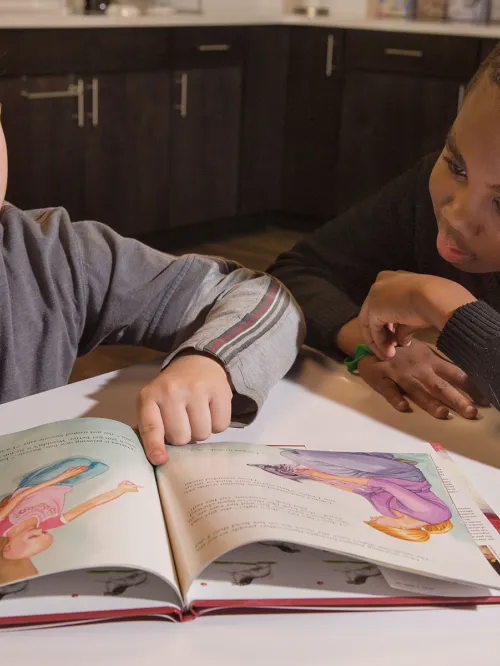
[[331, 273]]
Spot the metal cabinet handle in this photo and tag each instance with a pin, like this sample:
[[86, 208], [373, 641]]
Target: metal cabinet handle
[[74, 90], [207, 48], [461, 96], [94, 115], [405, 53], [183, 106], [330, 55]]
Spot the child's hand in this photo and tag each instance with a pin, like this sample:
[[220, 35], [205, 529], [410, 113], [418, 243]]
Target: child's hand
[[410, 301], [432, 383], [188, 401]]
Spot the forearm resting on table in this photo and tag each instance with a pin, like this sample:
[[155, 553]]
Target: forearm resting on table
[[437, 302]]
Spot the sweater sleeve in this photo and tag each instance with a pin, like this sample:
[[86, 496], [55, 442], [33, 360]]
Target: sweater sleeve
[[331, 273], [139, 296], [471, 339]]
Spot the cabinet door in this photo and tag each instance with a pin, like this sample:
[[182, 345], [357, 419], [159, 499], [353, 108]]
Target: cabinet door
[[45, 142], [312, 121], [127, 145], [264, 110], [205, 145], [487, 46], [389, 121]]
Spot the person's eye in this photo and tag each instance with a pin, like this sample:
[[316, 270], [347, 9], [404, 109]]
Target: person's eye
[[455, 169], [496, 204]]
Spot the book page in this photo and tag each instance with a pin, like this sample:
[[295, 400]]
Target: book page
[[266, 571], [102, 592], [482, 523], [391, 509], [79, 494]]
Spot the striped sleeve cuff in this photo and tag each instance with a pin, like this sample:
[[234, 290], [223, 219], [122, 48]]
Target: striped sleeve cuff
[[471, 339], [257, 350]]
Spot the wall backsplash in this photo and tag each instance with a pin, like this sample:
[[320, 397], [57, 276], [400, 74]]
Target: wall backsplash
[[355, 8], [16, 6]]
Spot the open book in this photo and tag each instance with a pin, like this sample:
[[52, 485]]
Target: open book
[[90, 531]]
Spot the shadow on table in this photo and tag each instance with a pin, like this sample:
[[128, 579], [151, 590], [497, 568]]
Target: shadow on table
[[478, 440], [116, 399]]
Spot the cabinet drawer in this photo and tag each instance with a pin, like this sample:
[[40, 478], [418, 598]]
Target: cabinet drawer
[[126, 50], [82, 51], [34, 52], [206, 47], [428, 55]]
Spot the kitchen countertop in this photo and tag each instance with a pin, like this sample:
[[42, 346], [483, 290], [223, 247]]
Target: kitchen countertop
[[49, 20]]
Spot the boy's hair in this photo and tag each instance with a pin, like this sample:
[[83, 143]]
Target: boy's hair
[[489, 66]]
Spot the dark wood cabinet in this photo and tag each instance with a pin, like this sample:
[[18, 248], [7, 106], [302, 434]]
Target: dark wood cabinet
[[311, 134], [401, 95], [127, 169], [487, 46], [264, 111], [151, 129], [99, 146], [45, 142], [389, 121], [205, 144]]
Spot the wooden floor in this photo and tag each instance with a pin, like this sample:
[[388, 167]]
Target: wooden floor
[[255, 251]]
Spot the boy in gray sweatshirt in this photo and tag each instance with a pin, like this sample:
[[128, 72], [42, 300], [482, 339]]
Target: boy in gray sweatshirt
[[229, 333]]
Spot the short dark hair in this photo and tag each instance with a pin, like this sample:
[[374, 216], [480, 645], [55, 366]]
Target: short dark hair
[[489, 66]]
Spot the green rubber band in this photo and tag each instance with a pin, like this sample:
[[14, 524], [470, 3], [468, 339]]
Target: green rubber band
[[360, 352]]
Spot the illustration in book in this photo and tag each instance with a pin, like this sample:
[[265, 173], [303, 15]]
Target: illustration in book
[[13, 588], [356, 573], [283, 547], [406, 505], [117, 581], [37, 506], [245, 573], [491, 557]]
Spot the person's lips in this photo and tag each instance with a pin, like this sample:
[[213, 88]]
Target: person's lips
[[450, 250]]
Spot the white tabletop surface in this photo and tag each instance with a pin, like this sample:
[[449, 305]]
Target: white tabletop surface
[[318, 403]]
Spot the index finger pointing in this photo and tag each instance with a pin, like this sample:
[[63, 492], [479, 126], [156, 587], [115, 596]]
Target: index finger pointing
[[152, 432]]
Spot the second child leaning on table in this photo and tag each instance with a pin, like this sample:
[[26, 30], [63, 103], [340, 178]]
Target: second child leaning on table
[[441, 218]]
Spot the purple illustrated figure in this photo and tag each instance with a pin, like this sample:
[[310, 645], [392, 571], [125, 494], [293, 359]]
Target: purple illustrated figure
[[397, 489]]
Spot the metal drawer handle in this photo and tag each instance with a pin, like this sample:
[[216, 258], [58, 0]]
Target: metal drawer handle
[[406, 53], [330, 55], [94, 115], [74, 90], [211, 48], [183, 106]]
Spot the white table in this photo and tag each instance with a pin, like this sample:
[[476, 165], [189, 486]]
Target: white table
[[317, 403]]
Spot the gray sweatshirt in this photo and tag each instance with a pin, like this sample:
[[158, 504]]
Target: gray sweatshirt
[[68, 287]]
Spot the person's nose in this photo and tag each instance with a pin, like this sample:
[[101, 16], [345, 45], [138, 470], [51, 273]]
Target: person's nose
[[458, 212]]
